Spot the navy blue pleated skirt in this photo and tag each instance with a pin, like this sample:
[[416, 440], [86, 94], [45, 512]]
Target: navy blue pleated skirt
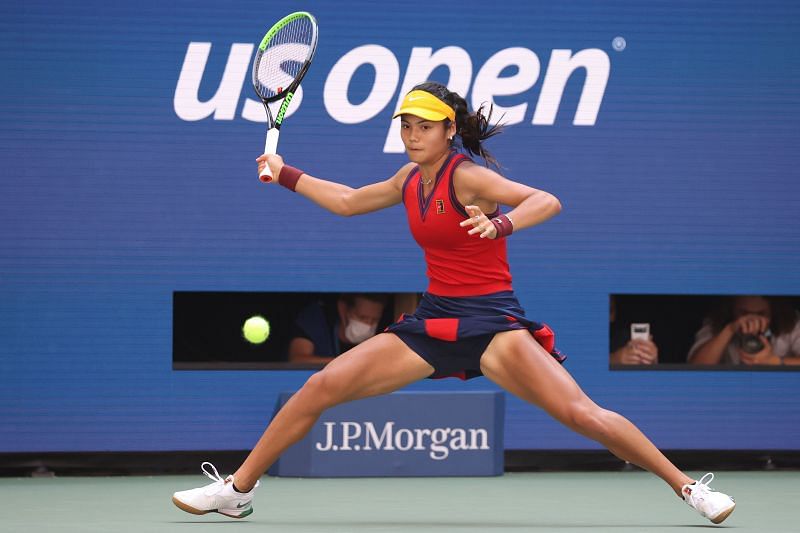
[[451, 333]]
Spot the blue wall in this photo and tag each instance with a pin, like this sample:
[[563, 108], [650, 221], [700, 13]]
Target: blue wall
[[118, 189]]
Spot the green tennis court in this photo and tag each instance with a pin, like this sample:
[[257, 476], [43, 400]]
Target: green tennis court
[[562, 502]]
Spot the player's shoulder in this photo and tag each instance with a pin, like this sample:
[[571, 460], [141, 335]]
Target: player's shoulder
[[466, 165], [402, 173], [468, 170], [406, 169]]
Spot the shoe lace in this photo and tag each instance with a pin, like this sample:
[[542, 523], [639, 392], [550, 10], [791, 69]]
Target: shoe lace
[[218, 480], [213, 475], [700, 489]]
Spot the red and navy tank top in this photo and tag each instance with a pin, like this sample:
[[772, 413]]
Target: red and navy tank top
[[458, 264]]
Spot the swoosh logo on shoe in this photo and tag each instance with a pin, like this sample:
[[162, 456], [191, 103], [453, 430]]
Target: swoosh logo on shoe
[[242, 505]]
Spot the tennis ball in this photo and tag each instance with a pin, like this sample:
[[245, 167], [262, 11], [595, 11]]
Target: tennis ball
[[256, 329]]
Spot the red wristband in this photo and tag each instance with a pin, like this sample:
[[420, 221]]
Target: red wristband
[[289, 176], [503, 226]]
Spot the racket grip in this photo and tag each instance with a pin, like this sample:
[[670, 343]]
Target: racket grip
[[270, 147]]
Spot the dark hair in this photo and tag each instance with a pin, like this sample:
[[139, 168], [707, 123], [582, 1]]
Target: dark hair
[[473, 128], [784, 314]]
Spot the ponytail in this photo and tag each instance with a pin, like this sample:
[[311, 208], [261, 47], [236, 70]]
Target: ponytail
[[472, 128]]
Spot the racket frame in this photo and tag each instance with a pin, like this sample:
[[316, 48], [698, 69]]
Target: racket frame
[[286, 94]]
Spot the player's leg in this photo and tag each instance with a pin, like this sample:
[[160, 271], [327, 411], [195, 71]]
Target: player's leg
[[376, 366], [516, 362], [379, 365]]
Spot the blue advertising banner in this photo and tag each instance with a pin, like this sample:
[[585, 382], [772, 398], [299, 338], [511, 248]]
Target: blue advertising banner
[[667, 129], [402, 434]]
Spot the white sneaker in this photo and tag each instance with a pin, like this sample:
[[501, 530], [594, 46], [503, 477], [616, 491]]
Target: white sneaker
[[714, 505], [218, 497]]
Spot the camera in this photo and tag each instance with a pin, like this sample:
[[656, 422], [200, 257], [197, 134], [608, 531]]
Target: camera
[[751, 343]]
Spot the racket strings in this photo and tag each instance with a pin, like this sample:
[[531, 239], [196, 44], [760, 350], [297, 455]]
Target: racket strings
[[284, 56]]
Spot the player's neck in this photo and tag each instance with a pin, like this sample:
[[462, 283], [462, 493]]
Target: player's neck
[[428, 171]]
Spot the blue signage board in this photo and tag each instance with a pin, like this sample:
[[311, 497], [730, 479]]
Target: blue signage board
[[402, 434]]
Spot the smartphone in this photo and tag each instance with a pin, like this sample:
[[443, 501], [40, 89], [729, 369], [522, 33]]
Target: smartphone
[[640, 330]]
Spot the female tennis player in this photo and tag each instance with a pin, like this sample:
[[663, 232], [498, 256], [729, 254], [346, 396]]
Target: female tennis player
[[468, 323]]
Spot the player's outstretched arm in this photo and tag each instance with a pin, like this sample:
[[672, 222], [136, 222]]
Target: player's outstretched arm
[[336, 197]]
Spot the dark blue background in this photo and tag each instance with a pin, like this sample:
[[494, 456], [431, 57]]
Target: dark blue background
[[687, 184]]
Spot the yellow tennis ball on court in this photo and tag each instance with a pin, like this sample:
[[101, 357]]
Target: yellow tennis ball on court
[[256, 329]]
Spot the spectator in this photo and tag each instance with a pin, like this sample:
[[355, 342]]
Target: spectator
[[749, 330], [322, 332], [624, 349]]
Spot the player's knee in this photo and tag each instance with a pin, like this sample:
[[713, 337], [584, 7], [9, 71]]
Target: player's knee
[[321, 390], [316, 390], [589, 419]]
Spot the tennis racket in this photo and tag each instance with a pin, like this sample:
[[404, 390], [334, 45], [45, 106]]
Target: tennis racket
[[283, 58]]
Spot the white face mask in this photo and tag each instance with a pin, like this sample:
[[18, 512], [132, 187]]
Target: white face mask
[[357, 331]]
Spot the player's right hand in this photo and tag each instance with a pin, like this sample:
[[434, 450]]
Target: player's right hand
[[274, 161]]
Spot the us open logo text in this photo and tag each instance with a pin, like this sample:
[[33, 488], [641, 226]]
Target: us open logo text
[[490, 81]]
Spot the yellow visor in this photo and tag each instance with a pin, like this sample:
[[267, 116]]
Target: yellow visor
[[424, 105]]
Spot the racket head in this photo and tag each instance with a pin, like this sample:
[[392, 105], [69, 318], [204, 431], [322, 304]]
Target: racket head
[[284, 55]]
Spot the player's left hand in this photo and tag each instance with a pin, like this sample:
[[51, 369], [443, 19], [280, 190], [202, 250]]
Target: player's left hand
[[480, 223]]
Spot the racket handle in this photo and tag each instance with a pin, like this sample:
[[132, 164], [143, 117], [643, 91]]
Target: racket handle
[[270, 147]]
